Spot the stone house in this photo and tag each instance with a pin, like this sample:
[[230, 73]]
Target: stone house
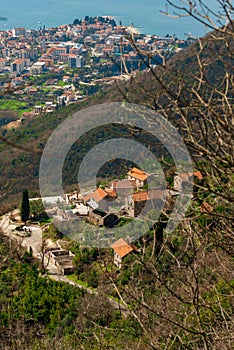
[[124, 187], [152, 199], [102, 218], [121, 250], [62, 259]]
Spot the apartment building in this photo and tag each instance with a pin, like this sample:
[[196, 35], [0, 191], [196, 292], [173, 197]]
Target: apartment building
[[74, 61]]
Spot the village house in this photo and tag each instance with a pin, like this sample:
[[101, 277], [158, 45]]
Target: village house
[[121, 250], [38, 109], [66, 98], [123, 187], [62, 259], [74, 61], [19, 65], [102, 218], [152, 199], [66, 78], [31, 90], [37, 68], [99, 199], [50, 107], [18, 32], [30, 53], [81, 210], [139, 176], [17, 81], [73, 197], [48, 62]]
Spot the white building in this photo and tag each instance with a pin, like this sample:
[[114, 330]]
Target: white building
[[139, 176], [19, 65], [121, 249], [74, 61]]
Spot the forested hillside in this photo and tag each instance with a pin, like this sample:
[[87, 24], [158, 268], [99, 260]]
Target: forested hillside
[[39, 313]]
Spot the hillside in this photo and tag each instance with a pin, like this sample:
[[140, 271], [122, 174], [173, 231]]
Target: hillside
[[158, 88], [178, 286]]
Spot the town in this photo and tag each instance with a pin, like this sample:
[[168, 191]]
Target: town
[[42, 70]]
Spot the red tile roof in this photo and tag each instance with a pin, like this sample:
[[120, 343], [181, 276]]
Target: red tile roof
[[147, 195], [110, 192], [122, 248], [97, 195], [140, 196], [138, 174], [19, 61], [198, 174]]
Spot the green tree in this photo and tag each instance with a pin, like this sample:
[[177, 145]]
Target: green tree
[[37, 210], [25, 208]]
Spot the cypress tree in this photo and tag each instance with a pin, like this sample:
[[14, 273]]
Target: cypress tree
[[25, 208]]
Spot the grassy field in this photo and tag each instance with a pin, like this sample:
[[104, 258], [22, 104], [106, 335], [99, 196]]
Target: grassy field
[[12, 104], [15, 105]]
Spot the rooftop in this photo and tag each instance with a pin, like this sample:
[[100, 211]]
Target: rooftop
[[147, 195], [138, 174], [122, 248], [98, 195]]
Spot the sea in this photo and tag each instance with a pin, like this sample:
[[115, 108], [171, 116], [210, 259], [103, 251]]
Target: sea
[[146, 15]]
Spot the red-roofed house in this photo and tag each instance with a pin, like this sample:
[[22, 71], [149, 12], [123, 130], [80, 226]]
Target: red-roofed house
[[19, 65], [154, 199], [99, 198], [139, 176], [121, 249]]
